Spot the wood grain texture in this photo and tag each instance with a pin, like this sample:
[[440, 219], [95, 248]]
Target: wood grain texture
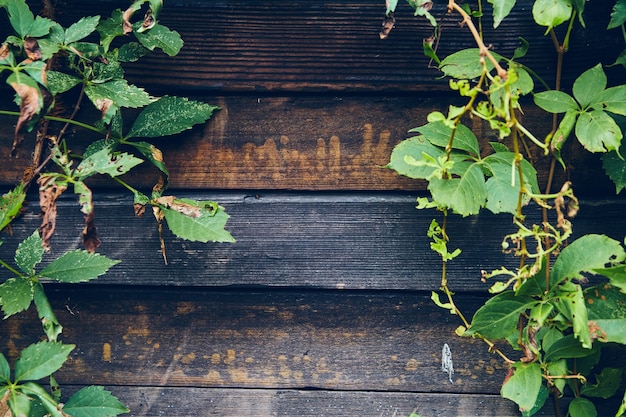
[[269, 46], [184, 402], [316, 240], [309, 143]]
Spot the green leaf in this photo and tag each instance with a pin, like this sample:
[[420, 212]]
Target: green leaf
[[465, 194], [567, 347], [60, 82], [524, 386], [618, 15], [504, 185], [170, 115], [46, 406], [51, 326], [501, 9], [78, 266], [555, 101], [5, 370], [571, 304], [439, 134], [131, 52], [20, 17], [607, 383], [81, 29], [590, 83], [616, 274], [197, 220], [622, 408], [606, 307], [391, 6], [160, 37], [94, 401], [615, 168], [40, 360], [585, 254], [620, 60], [16, 295], [19, 403], [466, 64], [108, 163], [10, 205], [152, 153], [543, 395], [110, 96], [29, 253], [612, 100], [110, 29], [598, 132], [413, 147], [499, 316], [581, 407], [551, 13]]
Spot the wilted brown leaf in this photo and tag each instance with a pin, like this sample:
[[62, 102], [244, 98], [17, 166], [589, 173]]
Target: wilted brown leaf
[[103, 104], [159, 216], [31, 47], [5, 411], [128, 13], [49, 192], [184, 208], [30, 97], [388, 23], [4, 51], [91, 241], [140, 209]]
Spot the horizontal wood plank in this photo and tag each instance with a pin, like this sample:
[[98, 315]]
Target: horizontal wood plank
[[308, 143], [262, 339], [184, 402], [261, 46], [320, 240]]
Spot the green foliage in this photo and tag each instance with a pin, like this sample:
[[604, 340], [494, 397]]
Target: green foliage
[[545, 309], [88, 63]]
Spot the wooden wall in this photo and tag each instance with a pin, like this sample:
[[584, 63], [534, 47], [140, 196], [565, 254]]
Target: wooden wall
[[322, 307]]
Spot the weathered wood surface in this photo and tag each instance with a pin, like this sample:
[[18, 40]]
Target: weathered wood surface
[[263, 353], [308, 143], [315, 240], [261, 46]]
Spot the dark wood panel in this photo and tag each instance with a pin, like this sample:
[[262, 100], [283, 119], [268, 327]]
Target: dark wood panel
[[309, 143], [184, 402], [238, 45], [336, 340], [325, 240]]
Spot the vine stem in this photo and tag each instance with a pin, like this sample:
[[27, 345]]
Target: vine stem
[[484, 50], [10, 268], [59, 119]]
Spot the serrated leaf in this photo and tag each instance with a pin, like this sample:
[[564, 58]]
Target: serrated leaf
[[551, 13], [466, 64], [110, 29], [60, 82], [51, 326], [569, 301], [10, 205], [81, 29], [615, 169], [598, 132], [439, 134], [46, 406], [581, 407], [160, 37], [170, 115], [612, 100], [94, 401], [40, 360], [555, 101], [197, 224], [29, 253], [504, 185], [588, 85], [120, 92], [108, 163], [16, 295], [20, 17], [465, 193], [78, 266], [499, 316], [501, 9], [413, 147], [131, 52], [19, 403], [620, 60], [606, 307], [618, 15], [586, 254], [524, 386]]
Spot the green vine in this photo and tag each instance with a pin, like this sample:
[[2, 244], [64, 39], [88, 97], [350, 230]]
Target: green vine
[[543, 309]]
